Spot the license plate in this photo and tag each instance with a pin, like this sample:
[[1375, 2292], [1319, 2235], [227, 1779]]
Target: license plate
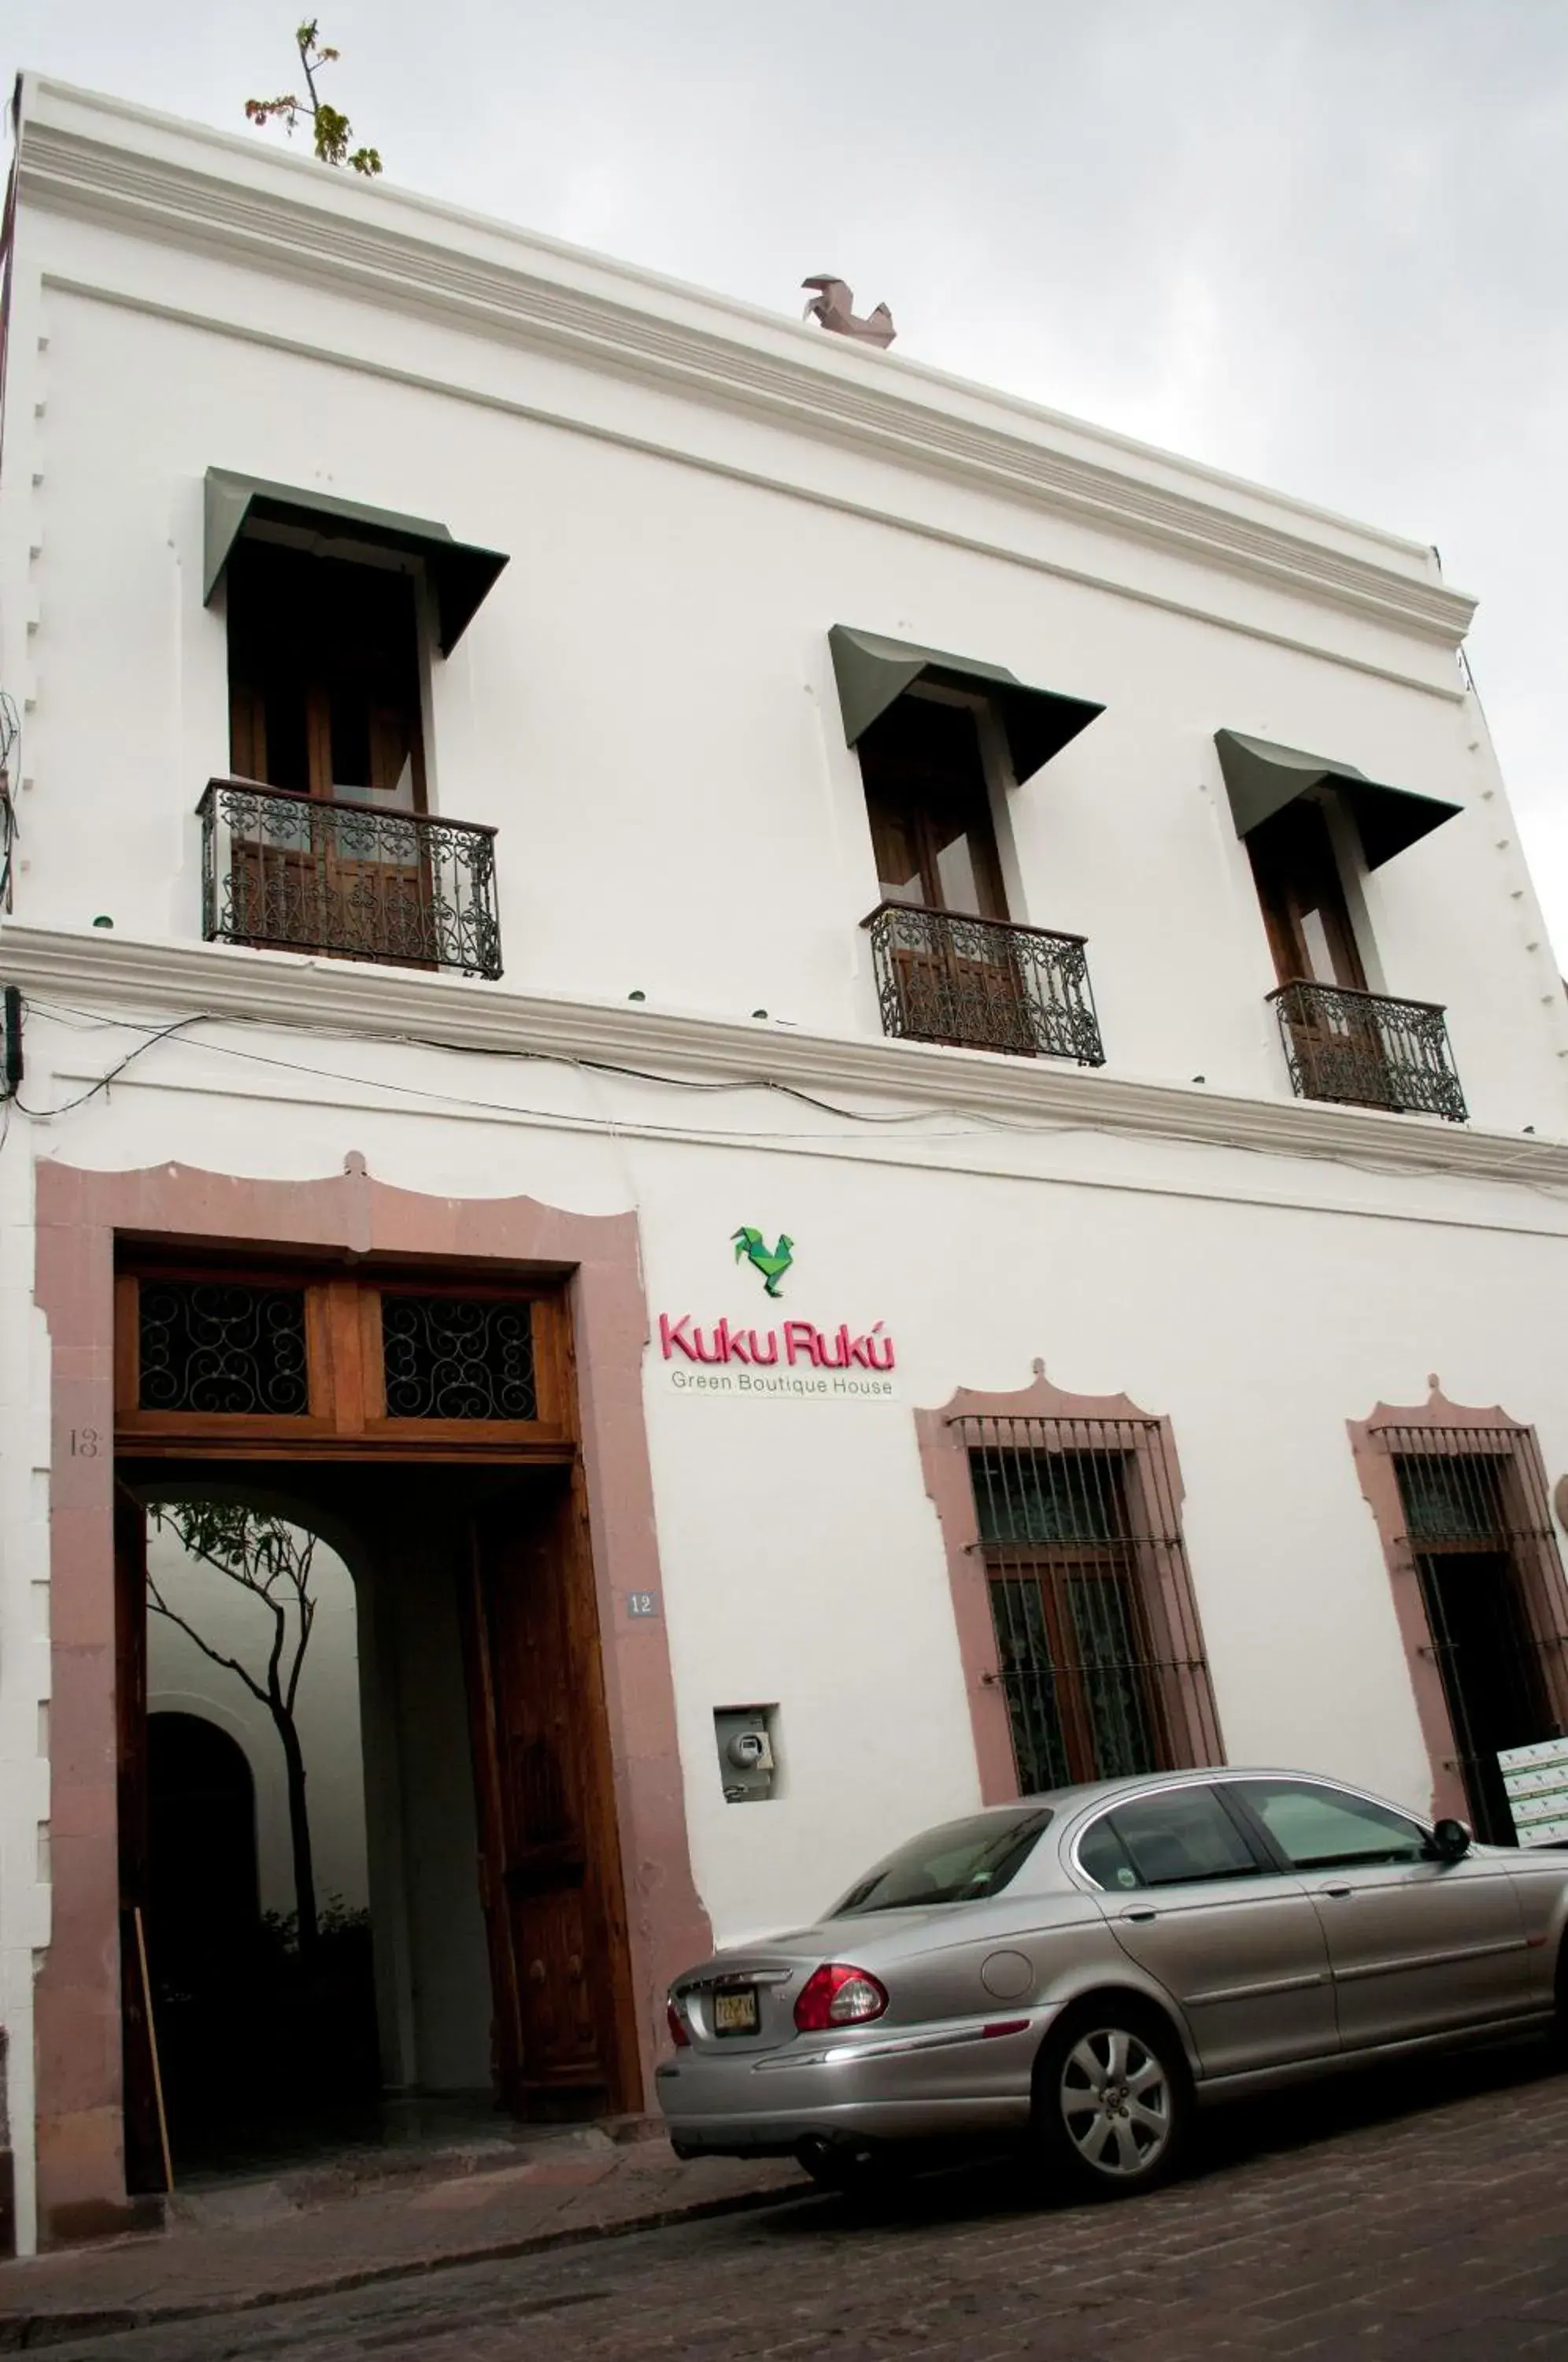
[[735, 2012]]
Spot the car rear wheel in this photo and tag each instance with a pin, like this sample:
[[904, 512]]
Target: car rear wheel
[[1112, 2100]]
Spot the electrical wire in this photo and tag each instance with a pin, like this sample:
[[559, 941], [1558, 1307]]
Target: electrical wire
[[44, 1114], [10, 828], [91, 1021], [977, 1120]]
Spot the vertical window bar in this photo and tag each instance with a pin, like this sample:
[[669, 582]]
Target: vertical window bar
[[1087, 1568]]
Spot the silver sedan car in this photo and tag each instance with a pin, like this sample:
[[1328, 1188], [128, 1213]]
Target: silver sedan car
[[1079, 1969]]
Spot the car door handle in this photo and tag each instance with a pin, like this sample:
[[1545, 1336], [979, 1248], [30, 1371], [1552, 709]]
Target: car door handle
[[1339, 1892], [1146, 1913]]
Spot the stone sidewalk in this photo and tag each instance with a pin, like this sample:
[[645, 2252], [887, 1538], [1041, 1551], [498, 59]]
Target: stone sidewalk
[[235, 2246]]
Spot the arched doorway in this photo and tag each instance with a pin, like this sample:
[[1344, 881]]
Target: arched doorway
[[202, 1868], [254, 1904]]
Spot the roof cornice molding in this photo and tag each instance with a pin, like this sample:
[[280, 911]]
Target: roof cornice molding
[[228, 983], [248, 204]]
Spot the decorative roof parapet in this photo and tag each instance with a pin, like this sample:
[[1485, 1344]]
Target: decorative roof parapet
[[183, 183]]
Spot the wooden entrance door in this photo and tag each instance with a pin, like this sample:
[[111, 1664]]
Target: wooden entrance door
[[549, 1882]]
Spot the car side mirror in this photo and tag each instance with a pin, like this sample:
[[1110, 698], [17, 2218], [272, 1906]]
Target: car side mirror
[[1450, 1841]]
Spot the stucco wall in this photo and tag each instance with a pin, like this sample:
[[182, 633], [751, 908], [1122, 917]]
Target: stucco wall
[[1259, 1304]]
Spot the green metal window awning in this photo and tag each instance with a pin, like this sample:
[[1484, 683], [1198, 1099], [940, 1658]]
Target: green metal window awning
[[459, 573], [1262, 778], [872, 672]]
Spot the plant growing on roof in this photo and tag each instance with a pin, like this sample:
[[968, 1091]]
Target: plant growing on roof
[[272, 1561], [332, 131]]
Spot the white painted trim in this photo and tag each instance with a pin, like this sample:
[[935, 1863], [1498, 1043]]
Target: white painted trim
[[708, 463], [168, 980], [1312, 1187], [252, 163], [185, 185]]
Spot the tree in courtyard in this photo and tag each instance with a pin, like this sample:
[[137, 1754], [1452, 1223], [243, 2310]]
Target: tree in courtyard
[[271, 1561], [331, 130]]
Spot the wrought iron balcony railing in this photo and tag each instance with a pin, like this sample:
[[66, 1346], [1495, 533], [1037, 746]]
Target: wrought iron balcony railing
[[297, 872], [980, 984], [1365, 1050]]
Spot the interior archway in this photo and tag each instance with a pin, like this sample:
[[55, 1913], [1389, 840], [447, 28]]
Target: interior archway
[[202, 1831]]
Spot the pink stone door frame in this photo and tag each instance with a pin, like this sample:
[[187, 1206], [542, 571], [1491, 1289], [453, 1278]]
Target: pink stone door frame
[[1544, 1587], [1155, 1476], [79, 1214]]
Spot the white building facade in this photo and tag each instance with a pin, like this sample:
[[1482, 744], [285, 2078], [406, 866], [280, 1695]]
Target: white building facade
[[1103, 1312]]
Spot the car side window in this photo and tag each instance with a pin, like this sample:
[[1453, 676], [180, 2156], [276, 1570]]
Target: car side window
[[1322, 1828], [1182, 1836], [1104, 1858]]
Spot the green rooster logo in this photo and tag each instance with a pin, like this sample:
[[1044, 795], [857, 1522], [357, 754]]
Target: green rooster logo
[[751, 1247]]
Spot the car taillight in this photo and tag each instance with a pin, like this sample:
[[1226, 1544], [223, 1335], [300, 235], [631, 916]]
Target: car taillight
[[836, 1995], [678, 2033]]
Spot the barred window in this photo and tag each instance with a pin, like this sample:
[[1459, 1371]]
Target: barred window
[[1479, 1529], [1451, 1501], [1098, 1650]]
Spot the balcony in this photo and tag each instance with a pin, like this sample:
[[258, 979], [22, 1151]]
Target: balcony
[[1365, 1050], [979, 984], [294, 873]]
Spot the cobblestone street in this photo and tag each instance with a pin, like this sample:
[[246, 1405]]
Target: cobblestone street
[[1419, 2213]]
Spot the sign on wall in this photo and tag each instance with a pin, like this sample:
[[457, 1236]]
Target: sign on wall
[[1536, 1779], [791, 1359]]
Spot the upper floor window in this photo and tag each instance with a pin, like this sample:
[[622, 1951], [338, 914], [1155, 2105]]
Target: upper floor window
[[321, 839], [951, 964], [929, 805], [1296, 813], [325, 676], [1301, 889]]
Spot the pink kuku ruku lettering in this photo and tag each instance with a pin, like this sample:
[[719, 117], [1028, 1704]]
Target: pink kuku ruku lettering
[[865, 1353], [669, 1337], [800, 1342], [803, 1342]]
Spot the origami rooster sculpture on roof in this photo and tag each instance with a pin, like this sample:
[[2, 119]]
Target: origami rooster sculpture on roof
[[833, 305]]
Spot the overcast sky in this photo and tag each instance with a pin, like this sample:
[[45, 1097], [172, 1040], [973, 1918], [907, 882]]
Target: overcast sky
[[1318, 242]]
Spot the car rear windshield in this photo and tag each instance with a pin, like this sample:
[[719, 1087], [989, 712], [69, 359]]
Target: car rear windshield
[[964, 1861]]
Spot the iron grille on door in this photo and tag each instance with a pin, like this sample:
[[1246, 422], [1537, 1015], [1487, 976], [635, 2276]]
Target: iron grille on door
[[326, 1360], [218, 1345], [457, 1357], [1479, 1529], [1098, 1648]]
